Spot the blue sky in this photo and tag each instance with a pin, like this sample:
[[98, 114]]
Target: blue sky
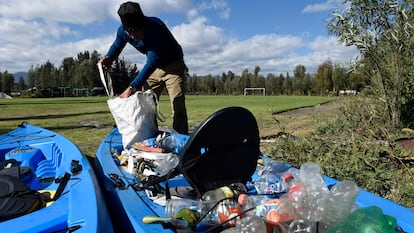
[[216, 35]]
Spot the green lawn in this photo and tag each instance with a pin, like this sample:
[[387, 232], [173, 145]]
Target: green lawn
[[86, 120]]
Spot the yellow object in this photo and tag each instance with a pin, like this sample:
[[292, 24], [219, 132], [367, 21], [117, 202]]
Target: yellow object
[[188, 215], [51, 194]]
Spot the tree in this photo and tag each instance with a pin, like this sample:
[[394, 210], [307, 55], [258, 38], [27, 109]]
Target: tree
[[323, 77], [31, 76], [7, 81], [245, 79], [299, 79], [382, 32], [20, 84], [340, 78], [47, 75], [67, 71]]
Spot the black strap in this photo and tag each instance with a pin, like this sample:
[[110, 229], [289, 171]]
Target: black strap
[[63, 182], [167, 188], [153, 180]]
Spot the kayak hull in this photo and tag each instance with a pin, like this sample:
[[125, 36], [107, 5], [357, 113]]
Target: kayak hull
[[81, 205]]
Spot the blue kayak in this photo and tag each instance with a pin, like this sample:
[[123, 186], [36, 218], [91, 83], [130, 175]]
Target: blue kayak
[[51, 165], [226, 136]]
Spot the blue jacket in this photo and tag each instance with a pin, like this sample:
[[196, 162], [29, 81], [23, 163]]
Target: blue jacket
[[158, 44]]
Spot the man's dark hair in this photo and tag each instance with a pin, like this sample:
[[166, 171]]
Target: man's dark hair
[[131, 15]]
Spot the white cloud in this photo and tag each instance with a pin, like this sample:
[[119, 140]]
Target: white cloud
[[57, 29], [220, 6], [329, 4], [75, 11], [151, 7]]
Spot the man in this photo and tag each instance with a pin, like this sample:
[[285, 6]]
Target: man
[[165, 65]]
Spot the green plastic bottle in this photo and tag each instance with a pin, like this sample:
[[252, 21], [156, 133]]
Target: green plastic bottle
[[369, 219]]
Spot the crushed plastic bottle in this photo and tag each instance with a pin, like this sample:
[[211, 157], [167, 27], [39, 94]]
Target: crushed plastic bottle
[[176, 204], [309, 199], [302, 226], [168, 162], [224, 192], [290, 182], [248, 224], [227, 207], [174, 142], [271, 179], [339, 203], [229, 212], [258, 205], [285, 211]]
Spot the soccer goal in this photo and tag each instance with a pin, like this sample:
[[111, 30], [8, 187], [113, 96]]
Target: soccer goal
[[255, 91]]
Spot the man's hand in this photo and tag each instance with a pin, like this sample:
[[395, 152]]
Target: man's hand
[[105, 61], [126, 93]]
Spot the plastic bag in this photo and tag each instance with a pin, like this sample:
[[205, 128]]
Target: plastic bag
[[135, 116]]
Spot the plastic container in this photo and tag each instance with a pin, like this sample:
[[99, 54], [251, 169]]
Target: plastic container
[[308, 201], [339, 203], [291, 183], [176, 204], [229, 212], [248, 224], [164, 165], [224, 192], [218, 194], [302, 226], [270, 180], [174, 142]]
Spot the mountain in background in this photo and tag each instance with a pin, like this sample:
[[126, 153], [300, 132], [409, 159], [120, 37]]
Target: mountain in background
[[17, 76]]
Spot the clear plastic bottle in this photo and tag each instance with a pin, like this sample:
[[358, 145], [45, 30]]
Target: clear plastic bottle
[[290, 181], [174, 142], [302, 226], [168, 162], [308, 202], [267, 183], [168, 143], [338, 204], [218, 194], [229, 212], [248, 224], [224, 192], [254, 204], [174, 205], [285, 211]]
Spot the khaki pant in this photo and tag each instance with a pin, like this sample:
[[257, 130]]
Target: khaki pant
[[173, 77]]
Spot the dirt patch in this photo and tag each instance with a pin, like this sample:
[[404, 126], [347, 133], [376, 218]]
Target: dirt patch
[[301, 121], [320, 108], [407, 143]]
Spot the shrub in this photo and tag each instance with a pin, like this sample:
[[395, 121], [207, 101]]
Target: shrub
[[360, 146]]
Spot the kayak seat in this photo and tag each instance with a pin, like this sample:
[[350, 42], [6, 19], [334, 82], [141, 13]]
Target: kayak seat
[[54, 158], [47, 168], [222, 150]]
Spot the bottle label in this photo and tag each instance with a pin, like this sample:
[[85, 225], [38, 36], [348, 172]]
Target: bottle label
[[228, 210]]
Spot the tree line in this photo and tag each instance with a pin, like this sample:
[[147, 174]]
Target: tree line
[[81, 73], [382, 31]]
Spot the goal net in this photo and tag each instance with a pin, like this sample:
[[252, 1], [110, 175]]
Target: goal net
[[255, 91]]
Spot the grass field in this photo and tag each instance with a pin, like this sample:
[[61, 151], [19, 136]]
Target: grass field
[[86, 120]]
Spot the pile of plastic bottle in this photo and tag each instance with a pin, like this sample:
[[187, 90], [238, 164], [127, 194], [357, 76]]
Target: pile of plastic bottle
[[280, 198], [286, 199]]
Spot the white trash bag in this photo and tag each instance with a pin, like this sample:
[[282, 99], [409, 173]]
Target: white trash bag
[[135, 116]]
